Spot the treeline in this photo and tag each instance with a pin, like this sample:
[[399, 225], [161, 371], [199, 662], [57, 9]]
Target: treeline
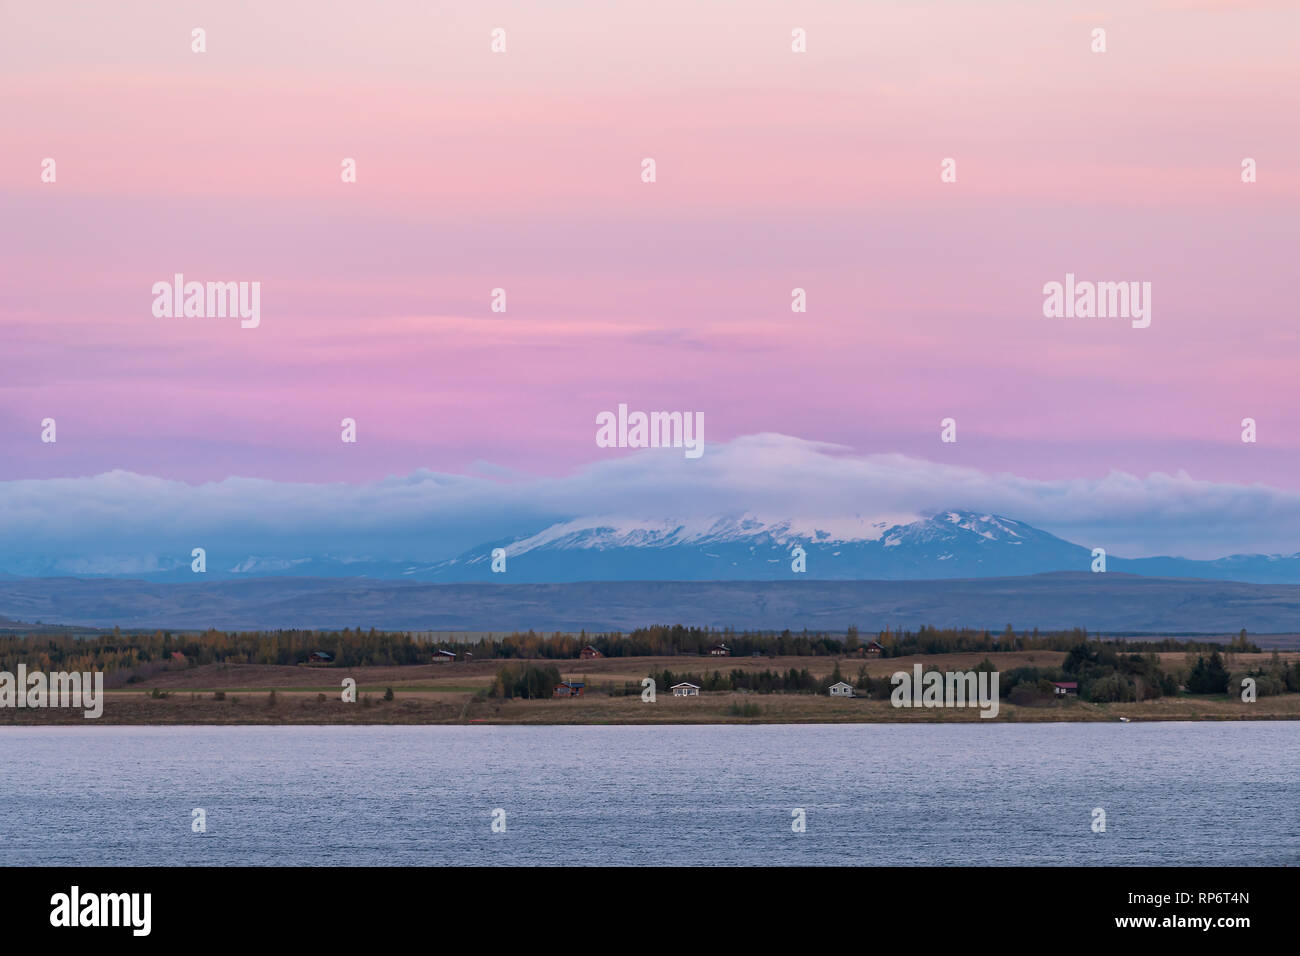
[[1103, 675], [678, 640], [537, 681], [933, 640], [530, 683], [760, 682], [656, 641], [143, 654]]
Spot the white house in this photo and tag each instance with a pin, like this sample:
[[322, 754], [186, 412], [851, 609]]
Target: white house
[[685, 689], [841, 690]]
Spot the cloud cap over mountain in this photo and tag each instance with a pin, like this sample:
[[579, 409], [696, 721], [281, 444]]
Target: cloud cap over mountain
[[124, 523]]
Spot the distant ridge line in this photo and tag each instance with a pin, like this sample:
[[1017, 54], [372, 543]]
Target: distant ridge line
[[1051, 600]]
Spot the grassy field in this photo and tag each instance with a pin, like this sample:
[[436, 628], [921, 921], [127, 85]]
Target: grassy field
[[448, 694]]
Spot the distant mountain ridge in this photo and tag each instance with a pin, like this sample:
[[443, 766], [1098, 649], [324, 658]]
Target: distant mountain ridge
[[942, 546], [947, 545], [1099, 602]]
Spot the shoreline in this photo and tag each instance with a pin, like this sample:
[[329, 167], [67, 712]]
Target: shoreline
[[139, 709], [460, 694]]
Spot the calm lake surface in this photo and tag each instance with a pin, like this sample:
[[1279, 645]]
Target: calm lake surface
[[883, 794]]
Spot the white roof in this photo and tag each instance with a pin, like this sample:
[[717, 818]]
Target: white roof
[[686, 684], [842, 684]]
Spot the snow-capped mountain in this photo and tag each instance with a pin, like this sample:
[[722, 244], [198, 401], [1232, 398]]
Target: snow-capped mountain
[[746, 547], [950, 544]]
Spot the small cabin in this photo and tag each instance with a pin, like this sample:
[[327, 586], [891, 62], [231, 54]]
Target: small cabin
[[320, 657], [840, 690], [873, 648], [443, 657], [589, 653], [570, 688], [686, 689], [719, 650], [1065, 688]]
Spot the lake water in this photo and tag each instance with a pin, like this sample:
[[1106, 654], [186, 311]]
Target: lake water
[[882, 794]]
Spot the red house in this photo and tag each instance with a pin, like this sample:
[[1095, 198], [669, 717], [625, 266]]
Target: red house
[[570, 688], [589, 653], [720, 650], [1066, 687]]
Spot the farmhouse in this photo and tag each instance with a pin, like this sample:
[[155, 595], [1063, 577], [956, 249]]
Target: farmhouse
[[443, 657], [685, 689], [868, 649], [1066, 687], [720, 650], [589, 653], [841, 690], [320, 657], [570, 688]]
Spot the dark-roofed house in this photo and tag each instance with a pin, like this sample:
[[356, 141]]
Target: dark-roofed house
[[570, 688], [589, 653], [320, 657], [720, 650]]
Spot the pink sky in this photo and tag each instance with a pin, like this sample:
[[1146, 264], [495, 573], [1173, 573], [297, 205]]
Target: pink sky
[[775, 170]]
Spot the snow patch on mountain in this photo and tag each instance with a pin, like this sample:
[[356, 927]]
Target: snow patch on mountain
[[607, 532]]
